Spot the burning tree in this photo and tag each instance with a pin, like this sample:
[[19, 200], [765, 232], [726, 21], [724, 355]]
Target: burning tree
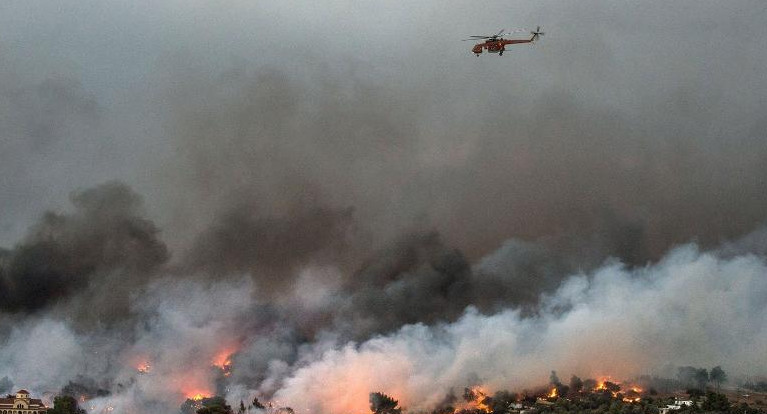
[[212, 405], [558, 389], [381, 403], [576, 384]]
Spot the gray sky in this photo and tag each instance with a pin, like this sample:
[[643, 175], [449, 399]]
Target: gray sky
[[675, 77]]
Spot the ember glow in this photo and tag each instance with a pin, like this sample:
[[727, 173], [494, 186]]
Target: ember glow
[[474, 399], [223, 360], [144, 368]]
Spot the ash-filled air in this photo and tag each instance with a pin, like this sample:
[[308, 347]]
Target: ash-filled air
[[195, 202]]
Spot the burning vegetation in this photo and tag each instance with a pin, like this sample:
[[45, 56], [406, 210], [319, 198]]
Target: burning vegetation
[[595, 396]]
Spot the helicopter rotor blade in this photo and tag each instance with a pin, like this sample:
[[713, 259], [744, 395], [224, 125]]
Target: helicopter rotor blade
[[537, 33]]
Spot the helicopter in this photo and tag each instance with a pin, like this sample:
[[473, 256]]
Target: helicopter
[[497, 44]]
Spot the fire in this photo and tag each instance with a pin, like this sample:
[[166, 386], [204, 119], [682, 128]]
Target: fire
[[223, 360], [632, 392], [144, 368], [553, 393], [475, 400], [196, 395]]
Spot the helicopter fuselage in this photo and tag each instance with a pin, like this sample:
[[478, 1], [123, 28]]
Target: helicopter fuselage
[[496, 46]]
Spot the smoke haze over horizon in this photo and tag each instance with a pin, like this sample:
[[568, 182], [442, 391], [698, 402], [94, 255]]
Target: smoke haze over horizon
[[340, 198]]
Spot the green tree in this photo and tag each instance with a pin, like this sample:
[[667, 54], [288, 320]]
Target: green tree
[[381, 403], [216, 409], [716, 402], [212, 405], [242, 408], [65, 404], [718, 376], [695, 392]]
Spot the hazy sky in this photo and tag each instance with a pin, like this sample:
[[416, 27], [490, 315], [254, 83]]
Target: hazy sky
[[87, 87]]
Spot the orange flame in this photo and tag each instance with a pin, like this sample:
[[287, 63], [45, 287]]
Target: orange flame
[[553, 393], [223, 359], [477, 403]]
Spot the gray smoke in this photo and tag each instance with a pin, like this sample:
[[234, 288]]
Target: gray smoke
[[264, 204], [104, 243]]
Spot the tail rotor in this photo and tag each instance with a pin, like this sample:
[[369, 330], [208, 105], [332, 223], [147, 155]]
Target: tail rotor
[[537, 33]]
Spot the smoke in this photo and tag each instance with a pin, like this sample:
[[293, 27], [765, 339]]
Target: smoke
[[692, 307], [374, 214], [104, 244], [194, 336], [40, 122]]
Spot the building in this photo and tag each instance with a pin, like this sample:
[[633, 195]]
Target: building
[[677, 405], [22, 404]]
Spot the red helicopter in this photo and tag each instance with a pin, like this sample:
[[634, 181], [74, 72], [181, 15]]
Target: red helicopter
[[497, 44]]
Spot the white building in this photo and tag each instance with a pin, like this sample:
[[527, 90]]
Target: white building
[[22, 404]]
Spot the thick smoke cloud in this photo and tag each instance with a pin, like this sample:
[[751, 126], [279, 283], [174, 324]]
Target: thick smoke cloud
[[105, 241], [690, 308], [265, 247], [374, 213], [40, 122]]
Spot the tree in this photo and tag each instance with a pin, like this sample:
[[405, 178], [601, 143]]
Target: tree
[[716, 402], [212, 405], [612, 386], [554, 379], [65, 404], [381, 403], [6, 385], [589, 384], [718, 376], [701, 377], [242, 408], [216, 409], [576, 385], [695, 392], [257, 404]]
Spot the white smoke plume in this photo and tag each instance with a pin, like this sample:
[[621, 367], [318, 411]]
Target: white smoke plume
[[690, 308]]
